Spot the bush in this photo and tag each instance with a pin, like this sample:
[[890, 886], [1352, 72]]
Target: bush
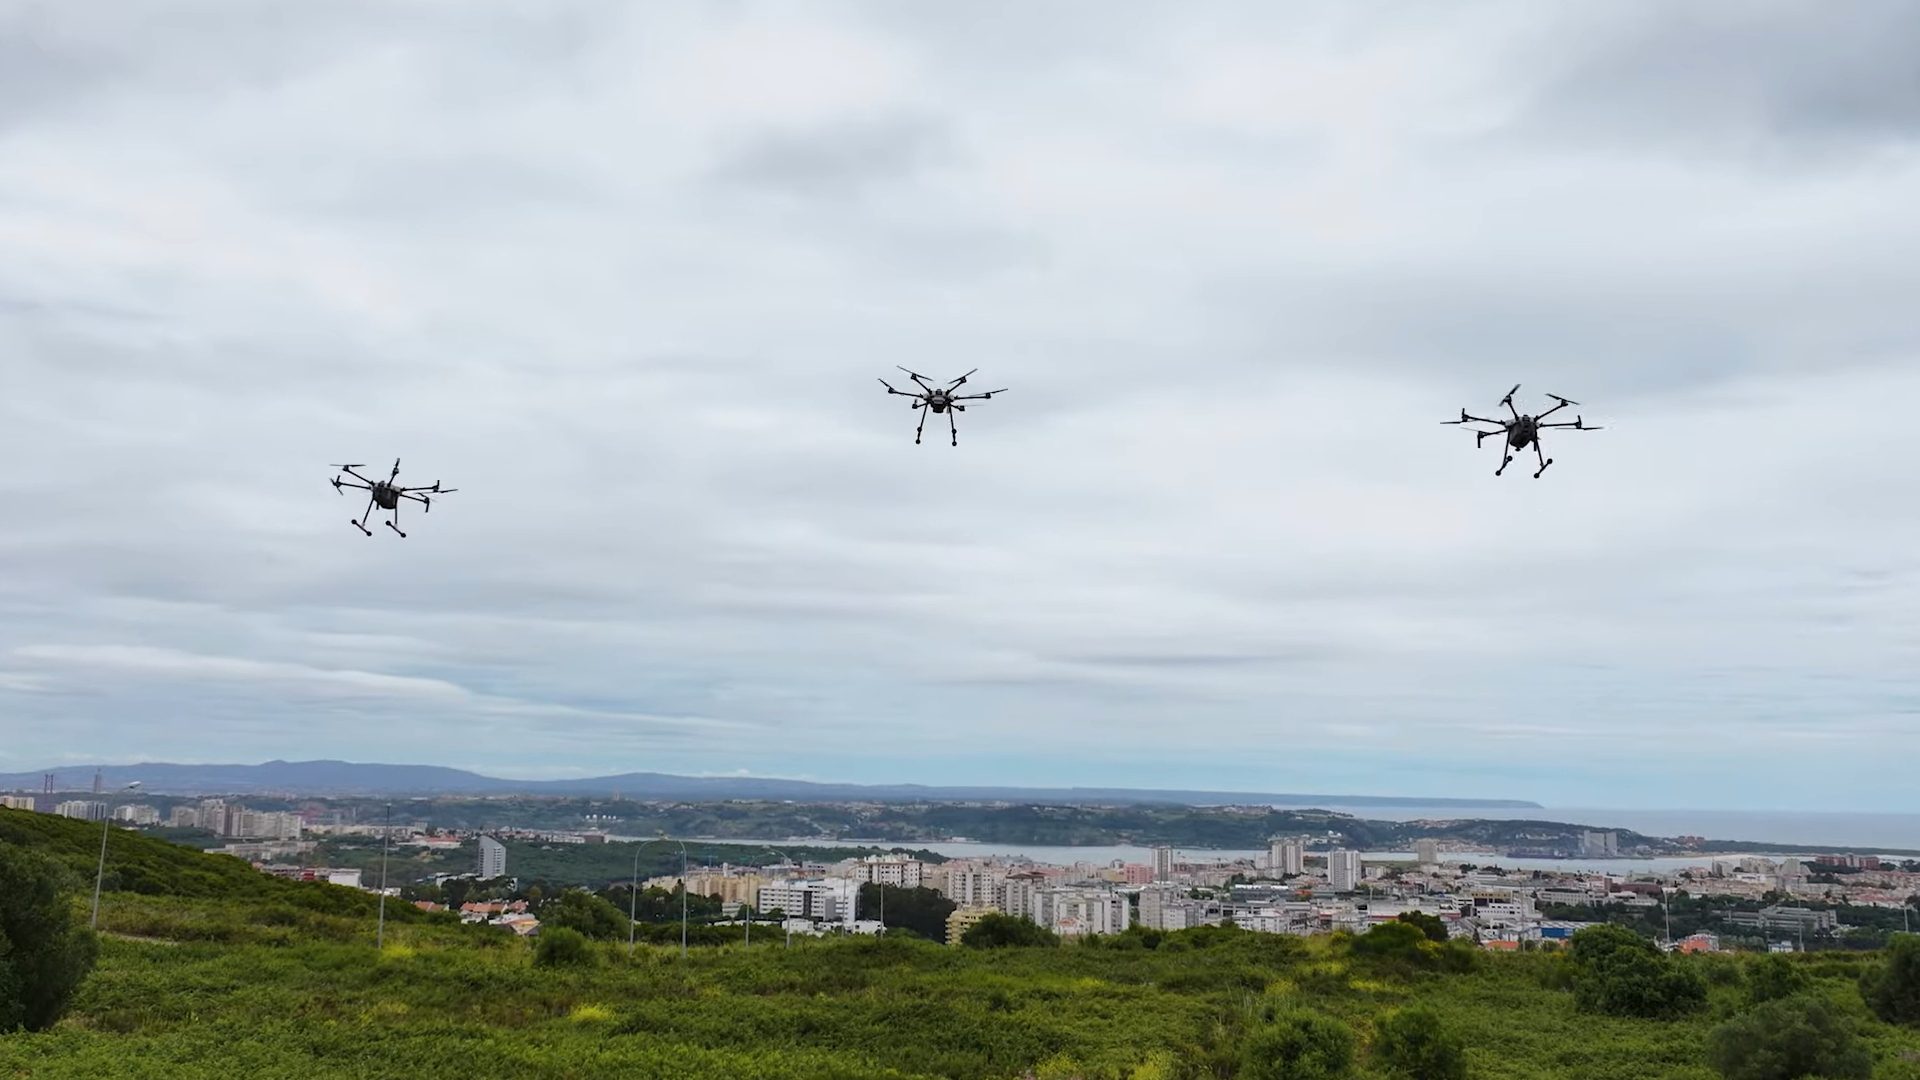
[[1787, 1039], [1299, 1046], [1892, 990], [44, 953], [593, 916], [1429, 924], [1619, 973], [997, 931], [563, 947], [1776, 977], [1413, 1043]]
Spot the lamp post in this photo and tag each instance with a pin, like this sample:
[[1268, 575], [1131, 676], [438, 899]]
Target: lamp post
[[683, 898], [386, 836], [788, 921], [100, 874], [633, 893]]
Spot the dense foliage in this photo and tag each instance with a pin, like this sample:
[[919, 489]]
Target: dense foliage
[[1299, 1045], [44, 951], [1415, 1044], [1892, 990], [922, 911], [997, 931], [1786, 1039], [561, 947], [1619, 973]]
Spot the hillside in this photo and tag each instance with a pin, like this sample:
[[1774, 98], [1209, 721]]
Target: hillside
[[153, 867]]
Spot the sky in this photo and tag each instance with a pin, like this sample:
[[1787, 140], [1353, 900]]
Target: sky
[[627, 276]]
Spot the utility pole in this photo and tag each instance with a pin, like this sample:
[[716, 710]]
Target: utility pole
[[100, 874], [386, 835], [633, 896], [683, 898]]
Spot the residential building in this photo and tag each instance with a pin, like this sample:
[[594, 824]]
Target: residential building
[[1071, 911], [962, 920], [493, 859], [84, 809], [827, 899], [137, 815], [1596, 845], [16, 802], [1426, 851], [1163, 864], [1343, 870], [897, 870]]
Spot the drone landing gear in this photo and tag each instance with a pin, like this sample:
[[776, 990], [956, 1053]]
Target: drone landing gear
[[955, 428], [922, 427], [1544, 459], [395, 528], [359, 526], [1506, 459]]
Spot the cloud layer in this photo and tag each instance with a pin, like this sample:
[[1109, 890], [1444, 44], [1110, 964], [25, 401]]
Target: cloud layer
[[625, 276]]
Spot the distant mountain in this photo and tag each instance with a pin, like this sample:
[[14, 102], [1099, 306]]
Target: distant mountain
[[350, 778]]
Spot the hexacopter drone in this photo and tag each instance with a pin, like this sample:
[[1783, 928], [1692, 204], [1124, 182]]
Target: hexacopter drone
[[385, 494], [1522, 430], [940, 401]]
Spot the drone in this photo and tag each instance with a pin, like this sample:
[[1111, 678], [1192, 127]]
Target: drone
[[940, 401], [1522, 430], [386, 494]]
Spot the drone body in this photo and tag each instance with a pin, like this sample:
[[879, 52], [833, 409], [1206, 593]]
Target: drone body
[[938, 400], [386, 495], [1522, 431]]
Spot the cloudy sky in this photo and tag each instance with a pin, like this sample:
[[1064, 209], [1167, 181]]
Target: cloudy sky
[[626, 274]]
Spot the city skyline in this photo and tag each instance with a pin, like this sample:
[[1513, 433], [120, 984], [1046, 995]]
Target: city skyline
[[626, 278]]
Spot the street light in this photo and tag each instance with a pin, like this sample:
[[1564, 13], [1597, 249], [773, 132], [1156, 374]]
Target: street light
[[788, 921], [683, 896], [386, 835], [633, 892], [100, 874]]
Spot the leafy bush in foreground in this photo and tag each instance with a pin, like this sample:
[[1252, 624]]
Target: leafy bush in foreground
[[1299, 1046], [1892, 990], [44, 952], [1787, 1039], [1414, 1043]]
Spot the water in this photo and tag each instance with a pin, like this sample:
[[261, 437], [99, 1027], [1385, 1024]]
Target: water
[[1898, 832]]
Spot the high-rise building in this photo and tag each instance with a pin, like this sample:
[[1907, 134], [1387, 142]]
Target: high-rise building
[[493, 859], [1600, 844], [85, 810], [1427, 851], [16, 802], [1285, 858], [1343, 870], [1163, 864]]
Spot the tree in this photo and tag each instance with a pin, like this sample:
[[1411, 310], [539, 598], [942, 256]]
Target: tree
[[1775, 977], [1892, 990], [1413, 1043], [1786, 1039], [1431, 924], [923, 911], [1617, 972], [45, 953], [582, 911], [998, 931], [1299, 1046], [562, 947]]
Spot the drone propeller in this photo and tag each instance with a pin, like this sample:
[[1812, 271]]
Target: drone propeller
[[395, 472], [346, 466], [1508, 400], [1558, 398], [956, 383]]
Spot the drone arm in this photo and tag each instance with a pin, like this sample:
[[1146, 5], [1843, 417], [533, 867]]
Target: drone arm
[[1551, 411], [350, 484], [980, 397], [1577, 425], [891, 390], [918, 378]]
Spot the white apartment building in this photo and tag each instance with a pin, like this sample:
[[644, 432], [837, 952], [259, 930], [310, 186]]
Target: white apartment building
[[1163, 864], [1020, 895], [16, 802], [1343, 870], [83, 809], [1286, 858], [825, 899], [975, 887], [897, 870], [1069, 912], [137, 815], [493, 859], [1426, 851]]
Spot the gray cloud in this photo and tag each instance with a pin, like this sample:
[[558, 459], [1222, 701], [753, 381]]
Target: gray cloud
[[626, 278]]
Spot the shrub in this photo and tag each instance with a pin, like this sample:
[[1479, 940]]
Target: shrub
[[1776, 977], [1299, 1046], [1787, 1039], [997, 931], [1413, 1043], [1429, 924], [563, 947], [1617, 972], [1892, 990], [44, 953], [593, 916]]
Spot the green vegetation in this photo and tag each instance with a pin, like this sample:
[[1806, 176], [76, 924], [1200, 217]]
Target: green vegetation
[[44, 952], [1892, 990], [1789, 1038], [271, 982]]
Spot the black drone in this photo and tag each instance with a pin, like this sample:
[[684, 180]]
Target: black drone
[[385, 494], [1522, 430], [940, 401]]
